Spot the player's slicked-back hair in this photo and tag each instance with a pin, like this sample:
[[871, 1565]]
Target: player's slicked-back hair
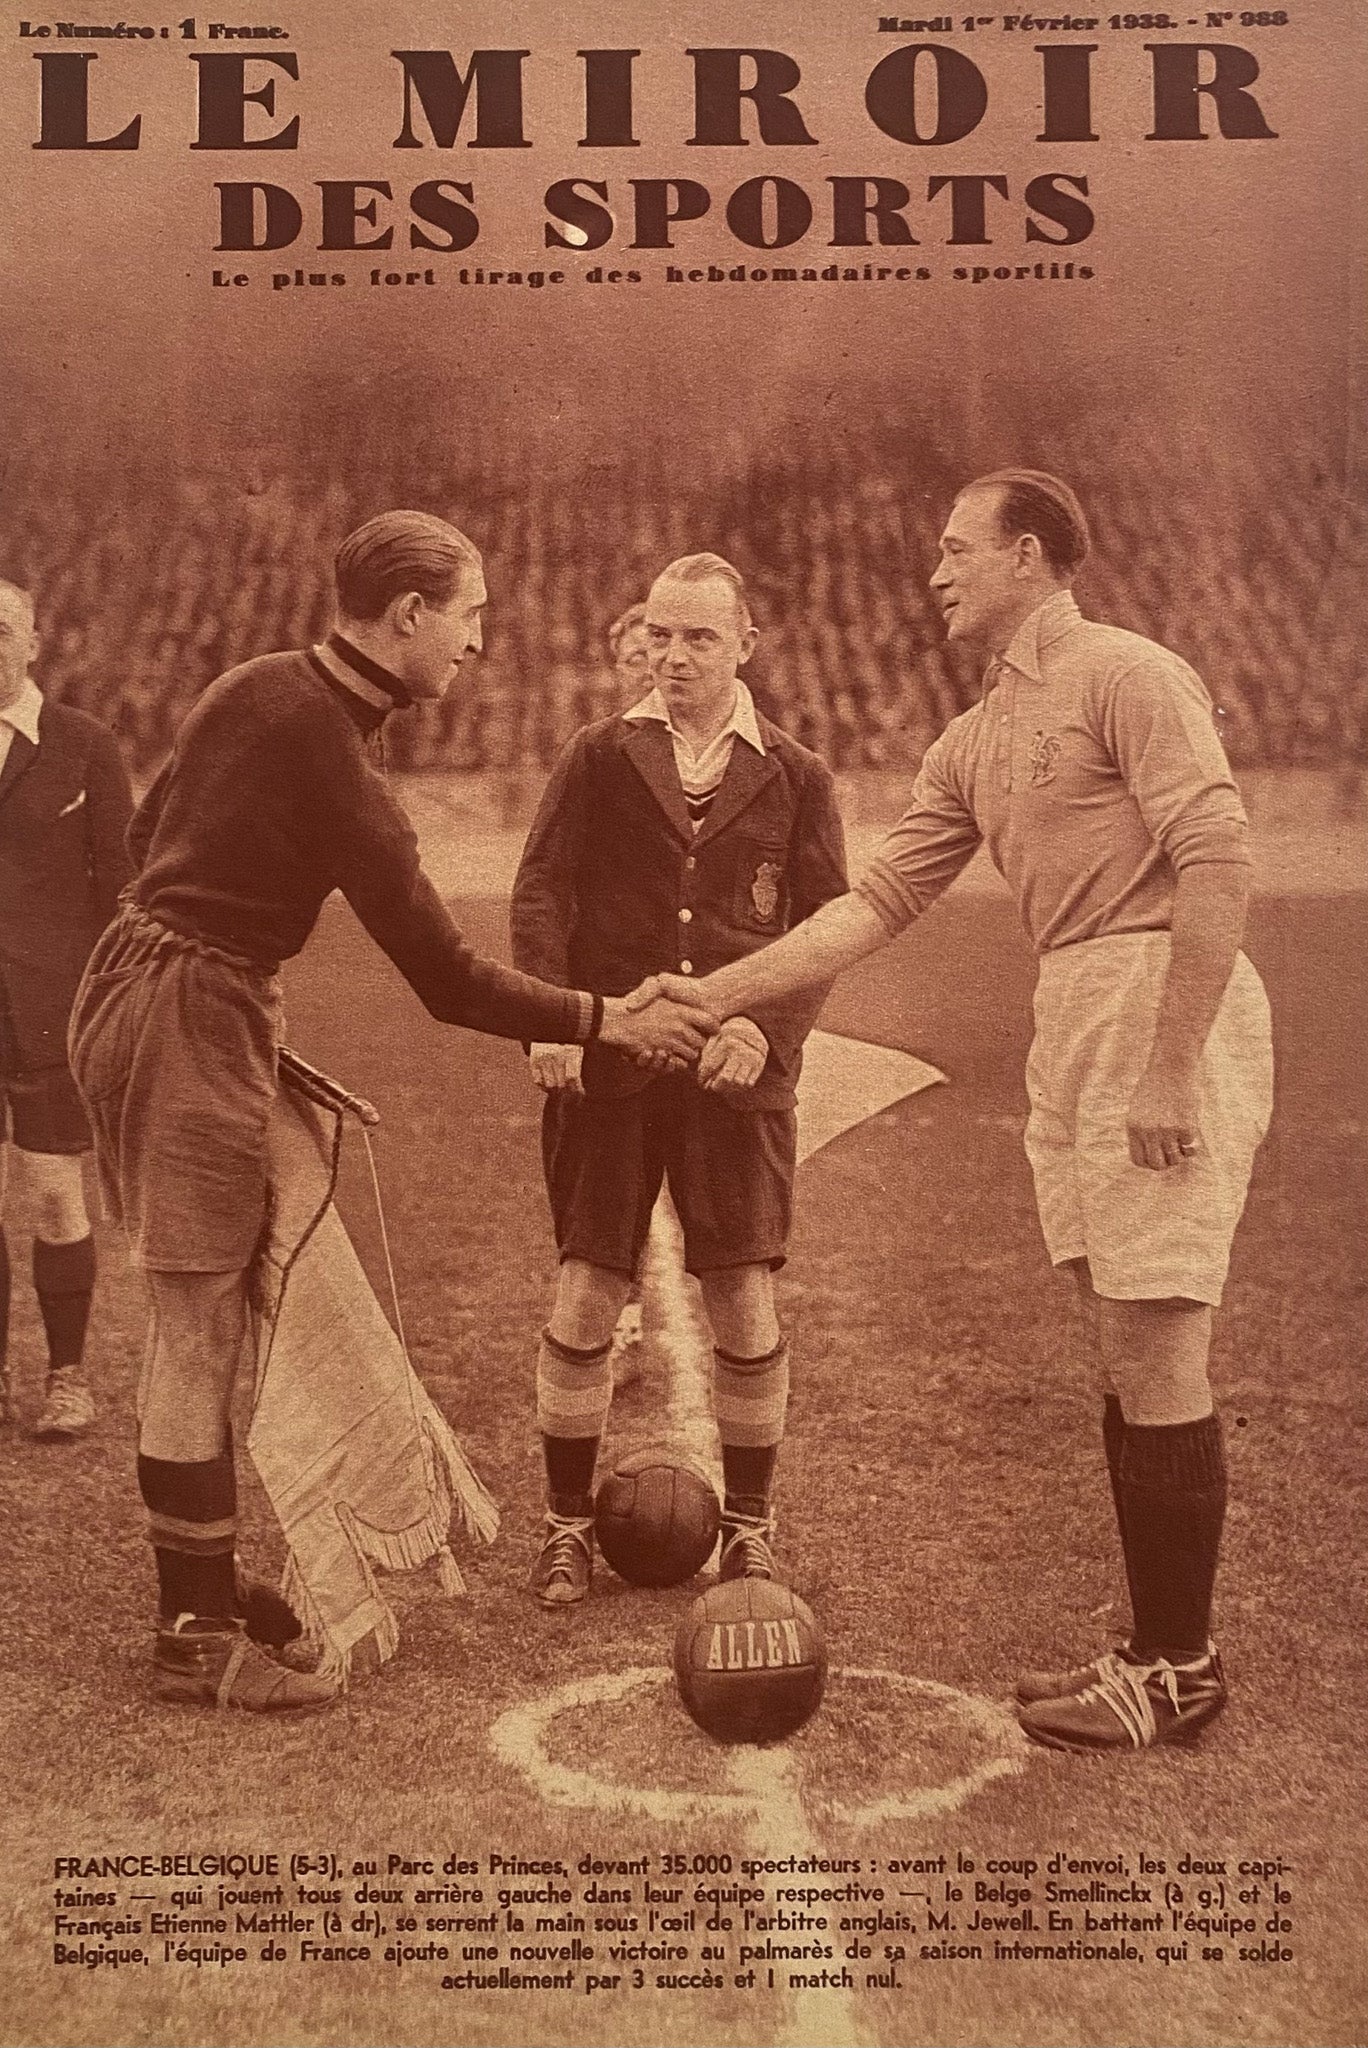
[[398, 552], [635, 615], [701, 569], [1034, 502]]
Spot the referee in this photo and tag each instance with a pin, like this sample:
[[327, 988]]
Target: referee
[[1092, 771], [685, 832]]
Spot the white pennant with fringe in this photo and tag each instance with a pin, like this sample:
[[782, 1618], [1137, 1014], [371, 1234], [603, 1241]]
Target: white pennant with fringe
[[360, 1467]]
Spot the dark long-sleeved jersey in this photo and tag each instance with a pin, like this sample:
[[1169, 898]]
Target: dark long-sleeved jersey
[[268, 803]]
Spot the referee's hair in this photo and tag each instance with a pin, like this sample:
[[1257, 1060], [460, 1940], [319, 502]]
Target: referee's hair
[[398, 552], [1034, 502], [701, 569]]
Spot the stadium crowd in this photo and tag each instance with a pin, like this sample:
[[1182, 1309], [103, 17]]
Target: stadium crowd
[[157, 570]]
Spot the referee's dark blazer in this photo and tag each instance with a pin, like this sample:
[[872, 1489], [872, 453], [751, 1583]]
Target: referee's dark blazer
[[614, 884], [64, 808]]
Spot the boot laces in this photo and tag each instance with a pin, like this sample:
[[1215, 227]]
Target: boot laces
[[566, 1535]]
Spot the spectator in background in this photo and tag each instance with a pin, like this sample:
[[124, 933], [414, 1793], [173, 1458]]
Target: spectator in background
[[64, 807], [629, 645], [162, 577]]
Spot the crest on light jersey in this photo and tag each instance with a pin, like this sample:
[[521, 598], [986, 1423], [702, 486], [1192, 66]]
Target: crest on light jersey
[[1043, 755]]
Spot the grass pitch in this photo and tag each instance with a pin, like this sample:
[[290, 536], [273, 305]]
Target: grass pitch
[[944, 1510]]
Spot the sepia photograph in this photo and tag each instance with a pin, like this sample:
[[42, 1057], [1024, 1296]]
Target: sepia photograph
[[683, 936]]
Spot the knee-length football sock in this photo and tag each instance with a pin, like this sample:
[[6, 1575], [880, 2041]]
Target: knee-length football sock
[[1173, 1499], [192, 1522], [64, 1281], [574, 1392], [750, 1400]]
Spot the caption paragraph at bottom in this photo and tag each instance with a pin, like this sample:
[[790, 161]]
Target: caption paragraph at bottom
[[483, 1921]]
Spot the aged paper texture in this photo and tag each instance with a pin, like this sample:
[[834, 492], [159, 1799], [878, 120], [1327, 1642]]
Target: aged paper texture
[[605, 285]]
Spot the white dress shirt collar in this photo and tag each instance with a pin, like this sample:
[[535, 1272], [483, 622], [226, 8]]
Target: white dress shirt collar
[[743, 724], [22, 714]]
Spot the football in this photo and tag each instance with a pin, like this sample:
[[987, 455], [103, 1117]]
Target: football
[[656, 1519], [750, 1661]]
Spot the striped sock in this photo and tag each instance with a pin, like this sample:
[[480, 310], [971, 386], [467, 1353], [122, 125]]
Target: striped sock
[[750, 1401], [64, 1280], [192, 1523], [574, 1392]]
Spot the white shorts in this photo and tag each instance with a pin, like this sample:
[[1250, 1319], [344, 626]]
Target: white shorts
[[1146, 1235]]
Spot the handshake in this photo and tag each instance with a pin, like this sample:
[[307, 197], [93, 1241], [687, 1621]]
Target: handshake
[[665, 1025]]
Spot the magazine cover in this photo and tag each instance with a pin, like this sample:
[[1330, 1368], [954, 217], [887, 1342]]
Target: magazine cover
[[820, 1501]]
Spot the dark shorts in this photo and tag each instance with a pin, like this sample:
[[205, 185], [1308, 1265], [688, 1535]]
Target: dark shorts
[[173, 1045], [730, 1175], [41, 1110]]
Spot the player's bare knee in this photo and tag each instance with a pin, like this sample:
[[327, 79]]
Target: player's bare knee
[[739, 1301], [185, 1415], [185, 1406], [1153, 1400], [1155, 1355], [1159, 1333], [56, 1192], [182, 1435], [589, 1300], [195, 1346]]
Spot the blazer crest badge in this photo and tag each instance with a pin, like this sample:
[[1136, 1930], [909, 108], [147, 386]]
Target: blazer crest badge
[[765, 890]]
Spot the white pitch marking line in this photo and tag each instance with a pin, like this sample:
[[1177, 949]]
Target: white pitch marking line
[[844, 1082], [519, 1738], [686, 1342], [768, 1791], [993, 1721], [780, 1827]]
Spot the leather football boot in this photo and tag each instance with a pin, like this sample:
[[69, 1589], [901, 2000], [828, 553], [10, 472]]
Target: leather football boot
[[215, 1663]]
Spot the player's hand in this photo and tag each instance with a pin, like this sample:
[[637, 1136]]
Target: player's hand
[[733, 1062], [677, 988], [1161, 1121], [558, 1067], [662, 1036]]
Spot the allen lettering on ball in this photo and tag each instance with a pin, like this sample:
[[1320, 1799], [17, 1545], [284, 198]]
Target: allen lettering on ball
[[656, 1519], [750, 1661]]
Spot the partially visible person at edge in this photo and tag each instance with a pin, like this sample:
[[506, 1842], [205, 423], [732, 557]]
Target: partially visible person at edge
[[64, 807], [1092, 770], [687, 830], [267, 803], [629, 645]]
